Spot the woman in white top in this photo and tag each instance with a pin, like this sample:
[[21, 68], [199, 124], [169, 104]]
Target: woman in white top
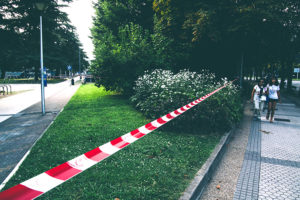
[[274, 97], [258, 95]]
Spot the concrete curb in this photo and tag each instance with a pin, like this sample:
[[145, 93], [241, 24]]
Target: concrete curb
[[202, 177]]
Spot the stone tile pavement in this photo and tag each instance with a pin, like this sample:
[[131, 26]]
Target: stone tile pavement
[[271, 167]]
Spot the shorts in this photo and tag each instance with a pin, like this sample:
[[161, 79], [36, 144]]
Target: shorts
[[273, 100], [256, 102]]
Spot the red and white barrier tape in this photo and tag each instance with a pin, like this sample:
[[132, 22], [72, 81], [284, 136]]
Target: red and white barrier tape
[[50, 179]]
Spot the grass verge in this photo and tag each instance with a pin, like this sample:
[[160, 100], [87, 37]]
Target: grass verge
[[158, 166]]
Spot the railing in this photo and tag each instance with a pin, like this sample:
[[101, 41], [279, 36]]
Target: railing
[[3, 86]]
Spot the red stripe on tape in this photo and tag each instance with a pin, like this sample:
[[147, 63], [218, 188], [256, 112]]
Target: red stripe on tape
[[119, 142], [150, 127], [63, 172], [176, 112], [182, 109], [136, 133], [19, 192], [161, 121], [96, 155], [169, 116]]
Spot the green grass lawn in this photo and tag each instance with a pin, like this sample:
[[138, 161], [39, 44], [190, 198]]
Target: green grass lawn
[[158, 166], [30, 81]]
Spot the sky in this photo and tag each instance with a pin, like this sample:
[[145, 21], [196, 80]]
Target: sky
[[80, 13]]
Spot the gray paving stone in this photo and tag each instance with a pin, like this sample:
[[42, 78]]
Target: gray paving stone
[[271, 167], [246, 187], [280, 155]]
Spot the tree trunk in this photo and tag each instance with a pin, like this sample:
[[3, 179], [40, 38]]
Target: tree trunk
[[289, 76], [57, 71], [242, 69], [282, 74], [3, 71]]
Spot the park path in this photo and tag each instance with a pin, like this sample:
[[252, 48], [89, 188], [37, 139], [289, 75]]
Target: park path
[[263, 159], [16, 103], [20, 131]]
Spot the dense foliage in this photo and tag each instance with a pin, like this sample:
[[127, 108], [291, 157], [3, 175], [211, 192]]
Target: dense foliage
[[221, 36], [161, 91], [261, 35], [20, 37]]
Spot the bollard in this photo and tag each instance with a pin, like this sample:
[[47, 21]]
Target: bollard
[[72, 81]]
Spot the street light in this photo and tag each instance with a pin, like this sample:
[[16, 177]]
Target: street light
[[41, 6]]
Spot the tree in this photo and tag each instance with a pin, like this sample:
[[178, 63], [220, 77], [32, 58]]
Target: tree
[[9, 39], [218, 33], [123, 43], [60, 41]]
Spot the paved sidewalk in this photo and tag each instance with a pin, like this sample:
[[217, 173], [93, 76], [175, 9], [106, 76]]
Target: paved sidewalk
[[271, 168], [271, 160], [16, 103], [20, 131]]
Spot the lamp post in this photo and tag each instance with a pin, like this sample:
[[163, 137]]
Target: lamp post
[[41, 7]]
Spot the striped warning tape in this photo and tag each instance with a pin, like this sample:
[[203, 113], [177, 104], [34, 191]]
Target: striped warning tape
[[48, 180]]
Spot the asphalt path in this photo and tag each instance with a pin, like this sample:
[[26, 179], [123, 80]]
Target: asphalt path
[[14, 104], [25, 125]]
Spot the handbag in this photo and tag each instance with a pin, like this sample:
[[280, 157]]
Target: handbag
[[263, 98]]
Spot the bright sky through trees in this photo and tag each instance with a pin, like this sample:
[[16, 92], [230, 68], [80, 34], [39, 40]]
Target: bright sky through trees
[[80, 13]]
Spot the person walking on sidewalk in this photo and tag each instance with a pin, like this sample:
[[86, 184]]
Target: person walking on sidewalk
[[274, 97], [258, 95]]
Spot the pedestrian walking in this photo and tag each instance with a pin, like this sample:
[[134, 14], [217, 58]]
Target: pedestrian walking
[[266, 97], [274, 97], [258, 96]]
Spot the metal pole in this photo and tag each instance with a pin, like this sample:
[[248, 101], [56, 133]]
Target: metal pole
[[42, 68]]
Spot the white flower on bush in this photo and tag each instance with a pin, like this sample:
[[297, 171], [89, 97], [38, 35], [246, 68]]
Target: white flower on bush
[[161, 91]]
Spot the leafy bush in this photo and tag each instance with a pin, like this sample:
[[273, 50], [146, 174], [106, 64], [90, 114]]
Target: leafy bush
[[122, 58], [161, 91]]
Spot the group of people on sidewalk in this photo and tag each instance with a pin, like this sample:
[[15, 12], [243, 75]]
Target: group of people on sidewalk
[[266, 95]]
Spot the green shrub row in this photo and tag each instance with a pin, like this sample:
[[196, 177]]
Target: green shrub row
[[162, 91]]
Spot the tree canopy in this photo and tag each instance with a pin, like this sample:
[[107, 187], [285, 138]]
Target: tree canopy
[[132, 36], [19, 34]]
